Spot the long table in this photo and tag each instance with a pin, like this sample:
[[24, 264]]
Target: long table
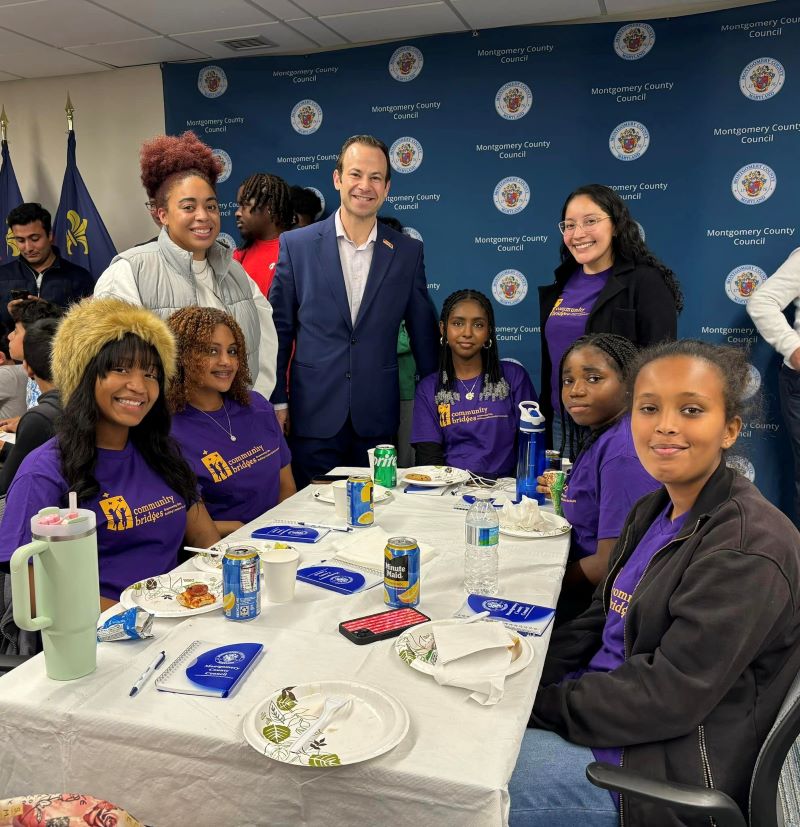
[[175, 760]]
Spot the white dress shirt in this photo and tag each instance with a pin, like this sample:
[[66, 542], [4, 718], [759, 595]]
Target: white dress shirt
[[356, 262]]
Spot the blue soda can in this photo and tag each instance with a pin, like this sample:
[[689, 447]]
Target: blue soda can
[[401, 572], [360, 511], [241, 583]]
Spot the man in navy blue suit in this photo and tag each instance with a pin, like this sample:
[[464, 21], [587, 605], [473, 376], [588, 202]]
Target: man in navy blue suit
[[341, 289]]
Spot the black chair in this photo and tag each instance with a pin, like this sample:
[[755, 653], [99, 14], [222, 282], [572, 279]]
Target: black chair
[[774, 788], [9, 662]]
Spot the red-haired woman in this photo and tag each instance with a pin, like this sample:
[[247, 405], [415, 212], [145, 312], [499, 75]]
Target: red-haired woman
[[186, 265]]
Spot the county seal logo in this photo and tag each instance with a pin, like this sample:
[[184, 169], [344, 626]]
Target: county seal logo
[[509, 287], [762, 79], [641, 231], [212, 81], [412, 233], [405, 155], [511, 195], [306, 117], [513, 100], [753, 184], [629, 141], [742, 465], [227, 164], [742, 282], [228, 240], [634, 41], [494, 605], [321, 201], [753, 382], [405, 63]]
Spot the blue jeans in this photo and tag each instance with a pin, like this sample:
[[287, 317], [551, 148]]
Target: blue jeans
[[549, 787]]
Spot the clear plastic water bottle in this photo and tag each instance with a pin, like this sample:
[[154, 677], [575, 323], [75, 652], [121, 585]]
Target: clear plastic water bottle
[[481, 553], [531, 459]]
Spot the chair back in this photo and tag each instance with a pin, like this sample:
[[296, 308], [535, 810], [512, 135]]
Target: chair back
[[775, 786]]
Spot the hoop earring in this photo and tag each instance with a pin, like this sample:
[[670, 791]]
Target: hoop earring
[[488, 346], [442, 341]]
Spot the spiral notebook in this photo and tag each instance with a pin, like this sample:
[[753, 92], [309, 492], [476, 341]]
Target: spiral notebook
[[204, 668]]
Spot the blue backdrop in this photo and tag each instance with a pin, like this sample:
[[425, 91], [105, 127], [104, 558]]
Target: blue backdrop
[[694, 120]]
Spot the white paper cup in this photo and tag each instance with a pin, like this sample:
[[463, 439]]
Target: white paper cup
[[280, 574], [371, 455], [340, 498]]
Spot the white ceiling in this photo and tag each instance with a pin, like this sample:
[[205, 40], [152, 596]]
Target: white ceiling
[[40, 38]]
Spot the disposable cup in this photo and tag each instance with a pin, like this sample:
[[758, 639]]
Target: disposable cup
[[340, 498], [280, 572], [371, 455]]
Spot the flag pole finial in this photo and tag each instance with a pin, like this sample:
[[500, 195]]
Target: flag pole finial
[[69, 109], [3, 124]]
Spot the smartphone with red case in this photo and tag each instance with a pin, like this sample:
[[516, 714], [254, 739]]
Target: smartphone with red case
[[381, 625]]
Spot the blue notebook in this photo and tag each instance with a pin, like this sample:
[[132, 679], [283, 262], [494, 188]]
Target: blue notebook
[[525, 618], [339, 579], [204, 668]]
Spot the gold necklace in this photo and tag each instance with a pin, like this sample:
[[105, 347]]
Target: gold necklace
[[470, 392]]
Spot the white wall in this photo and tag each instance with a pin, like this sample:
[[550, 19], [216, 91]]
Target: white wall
[[115, 111]]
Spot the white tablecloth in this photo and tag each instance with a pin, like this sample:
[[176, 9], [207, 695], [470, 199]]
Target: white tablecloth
[[175, 760]]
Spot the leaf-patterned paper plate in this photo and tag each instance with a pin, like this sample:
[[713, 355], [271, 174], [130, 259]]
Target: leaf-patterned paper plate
[[372, 724], [417, 647], [159, 595]]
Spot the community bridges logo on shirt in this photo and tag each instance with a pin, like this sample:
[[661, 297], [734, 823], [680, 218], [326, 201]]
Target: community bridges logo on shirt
[[447, 416], [121, 517], [220, 468]]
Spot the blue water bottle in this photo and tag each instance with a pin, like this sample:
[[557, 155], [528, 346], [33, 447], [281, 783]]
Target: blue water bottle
[[531, 459]]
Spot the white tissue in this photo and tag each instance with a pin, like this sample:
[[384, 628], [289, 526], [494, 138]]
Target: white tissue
[[524, 517]]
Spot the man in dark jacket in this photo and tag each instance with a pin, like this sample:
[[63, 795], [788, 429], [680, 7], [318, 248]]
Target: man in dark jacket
[[39, 268]]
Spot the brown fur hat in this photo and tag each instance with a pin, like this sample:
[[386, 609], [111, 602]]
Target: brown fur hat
[[92, 324]]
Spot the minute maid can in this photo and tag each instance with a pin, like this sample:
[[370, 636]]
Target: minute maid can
[[401, 572], [360, 511], [241, 583]]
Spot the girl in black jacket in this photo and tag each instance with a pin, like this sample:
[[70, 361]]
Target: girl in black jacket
[[680, 664]]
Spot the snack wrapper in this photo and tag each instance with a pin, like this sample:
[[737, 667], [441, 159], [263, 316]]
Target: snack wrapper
[[132, 624]]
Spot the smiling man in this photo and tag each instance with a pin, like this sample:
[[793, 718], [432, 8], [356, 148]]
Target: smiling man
[[342, 287], [38, 269]]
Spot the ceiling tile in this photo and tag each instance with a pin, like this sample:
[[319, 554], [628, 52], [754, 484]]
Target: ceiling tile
[[7, 76], [667, 7], [325, 7], [139, 52], [411, 21], [486, 15], [282, 9], [68, 23], [313, 29], [168, 18], [208, 42], [37, 61]]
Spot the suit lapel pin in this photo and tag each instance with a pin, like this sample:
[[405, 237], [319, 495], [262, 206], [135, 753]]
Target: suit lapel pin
[[388, 243]]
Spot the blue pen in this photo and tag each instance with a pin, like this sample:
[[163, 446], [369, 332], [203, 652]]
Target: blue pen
[[145, 676]]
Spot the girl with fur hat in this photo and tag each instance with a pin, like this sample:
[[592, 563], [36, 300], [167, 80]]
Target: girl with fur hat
[[229, 435], [186, 264], [112, 447]]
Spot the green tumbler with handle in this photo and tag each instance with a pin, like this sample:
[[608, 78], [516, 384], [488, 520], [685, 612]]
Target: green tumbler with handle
[[67, 589]]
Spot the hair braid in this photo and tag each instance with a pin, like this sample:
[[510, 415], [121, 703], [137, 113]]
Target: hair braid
[[269, 192]]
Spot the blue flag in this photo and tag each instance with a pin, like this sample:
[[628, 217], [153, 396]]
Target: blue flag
[[10, 197], [78, 230]]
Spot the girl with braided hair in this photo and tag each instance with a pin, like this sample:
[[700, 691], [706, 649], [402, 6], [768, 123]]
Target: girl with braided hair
[[608, 282], [607, 477], [228, 434], [186, 265], [264, 212], [466, 414]]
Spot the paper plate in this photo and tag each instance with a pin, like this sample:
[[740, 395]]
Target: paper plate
[[417, 647], [439, 475], [213, 562], [557, 525], [159, 595], [325, 494], [373, 724]]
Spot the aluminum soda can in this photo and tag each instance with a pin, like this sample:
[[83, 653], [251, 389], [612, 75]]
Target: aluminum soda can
[[386, 466], [360, 511], [401, 572], [241, 583]]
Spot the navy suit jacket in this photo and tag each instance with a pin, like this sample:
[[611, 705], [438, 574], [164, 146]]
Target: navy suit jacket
[[341, 368]]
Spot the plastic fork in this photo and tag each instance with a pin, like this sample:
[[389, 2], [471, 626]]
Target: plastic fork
[[332, 705]]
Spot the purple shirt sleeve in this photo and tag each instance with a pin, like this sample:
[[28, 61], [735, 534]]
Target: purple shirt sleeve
[[623, 481]]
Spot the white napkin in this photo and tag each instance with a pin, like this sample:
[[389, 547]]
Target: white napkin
[[365, 548], [473, 656], [524, 517]]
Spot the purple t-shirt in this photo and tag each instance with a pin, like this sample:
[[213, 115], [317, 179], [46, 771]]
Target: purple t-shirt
[[477, 434], [611, 653], [606, 480], [140, 519], [567, 320], [238, 480]]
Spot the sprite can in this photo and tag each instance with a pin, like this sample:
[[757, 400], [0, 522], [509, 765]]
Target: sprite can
[[386, 466]]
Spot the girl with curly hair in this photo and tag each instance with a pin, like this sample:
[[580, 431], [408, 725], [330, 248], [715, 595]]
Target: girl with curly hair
[[186, 265], [608, 282], [111, 361], [229, 434]]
